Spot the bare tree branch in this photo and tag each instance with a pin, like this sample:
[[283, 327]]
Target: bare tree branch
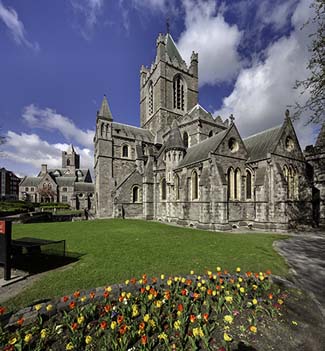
[[314, 85]]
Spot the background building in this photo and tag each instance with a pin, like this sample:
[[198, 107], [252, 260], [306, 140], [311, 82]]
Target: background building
[[69, 184], [9, 185]]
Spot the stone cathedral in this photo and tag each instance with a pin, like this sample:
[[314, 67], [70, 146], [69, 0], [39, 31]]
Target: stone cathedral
[[184, 166]]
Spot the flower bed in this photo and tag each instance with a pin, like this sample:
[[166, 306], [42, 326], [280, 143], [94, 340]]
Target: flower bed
[[213, 312]]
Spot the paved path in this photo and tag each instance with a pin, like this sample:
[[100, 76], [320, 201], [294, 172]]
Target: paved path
[[305, 254]]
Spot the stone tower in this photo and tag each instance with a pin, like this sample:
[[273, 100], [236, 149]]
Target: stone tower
[[169, 88], [315, 156], [70, 159], [174, 150], [103, 163]]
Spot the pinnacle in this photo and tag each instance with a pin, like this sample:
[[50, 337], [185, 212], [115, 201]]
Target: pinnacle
[[105, 111], [71, 149]]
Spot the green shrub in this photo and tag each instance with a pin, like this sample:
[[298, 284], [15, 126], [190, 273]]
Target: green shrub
[[14, 207], [52, 205]]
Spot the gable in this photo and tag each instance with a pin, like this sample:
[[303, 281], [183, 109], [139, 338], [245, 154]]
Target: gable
[[47, 179], [288, 144], [232, 144]]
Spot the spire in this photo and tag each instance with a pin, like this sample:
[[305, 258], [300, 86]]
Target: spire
[[105, 111], [320, 142], [172, 50], [174, 140]]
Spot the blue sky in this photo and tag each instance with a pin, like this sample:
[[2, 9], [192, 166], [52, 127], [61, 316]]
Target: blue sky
[[58, 58]]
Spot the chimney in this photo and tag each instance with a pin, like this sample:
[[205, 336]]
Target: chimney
[[44, 168]]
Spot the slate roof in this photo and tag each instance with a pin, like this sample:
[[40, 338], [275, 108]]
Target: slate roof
[[200, 151], [174, 140], [133, 132], [81, 186], [30, 181], [63, 174], [260, 144], [200, 113], [171, 49], [65, 181]]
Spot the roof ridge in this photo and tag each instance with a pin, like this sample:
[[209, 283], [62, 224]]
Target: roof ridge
[[129, 125]]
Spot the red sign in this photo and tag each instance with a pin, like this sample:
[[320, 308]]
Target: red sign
[[2, 227]]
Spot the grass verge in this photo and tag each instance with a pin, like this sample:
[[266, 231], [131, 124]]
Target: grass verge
[[115, 250]]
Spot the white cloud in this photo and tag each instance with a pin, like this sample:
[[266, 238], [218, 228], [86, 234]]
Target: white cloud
[[207, 33], [155, 5], [51, 120], [10, 18], [263, 91], [275, 14], [89, 10], [29, 151]]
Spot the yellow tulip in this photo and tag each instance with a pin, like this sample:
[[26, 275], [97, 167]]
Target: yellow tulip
[[88, 339], [28, 338]]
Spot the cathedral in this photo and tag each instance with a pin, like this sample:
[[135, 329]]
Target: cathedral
[[186, 167]]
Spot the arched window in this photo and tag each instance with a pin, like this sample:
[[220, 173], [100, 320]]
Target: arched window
[[195, 185], [296, 185], [285, 173], [102, 129], [291, 182], [150, 101], [135, 194], [163, 187], [237, 184], [176, 184], [210, 133], [125, 151], [248, 185], [179, 93], [68, 162], [287, 179], [231, 183], [185, 139]]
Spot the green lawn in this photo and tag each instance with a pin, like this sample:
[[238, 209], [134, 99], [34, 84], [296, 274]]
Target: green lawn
[[115, 250]]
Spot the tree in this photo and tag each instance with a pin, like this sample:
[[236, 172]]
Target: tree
[[47, 194], [315, 83]]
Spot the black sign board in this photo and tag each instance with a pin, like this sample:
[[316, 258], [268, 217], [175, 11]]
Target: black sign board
[[5, 247]]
